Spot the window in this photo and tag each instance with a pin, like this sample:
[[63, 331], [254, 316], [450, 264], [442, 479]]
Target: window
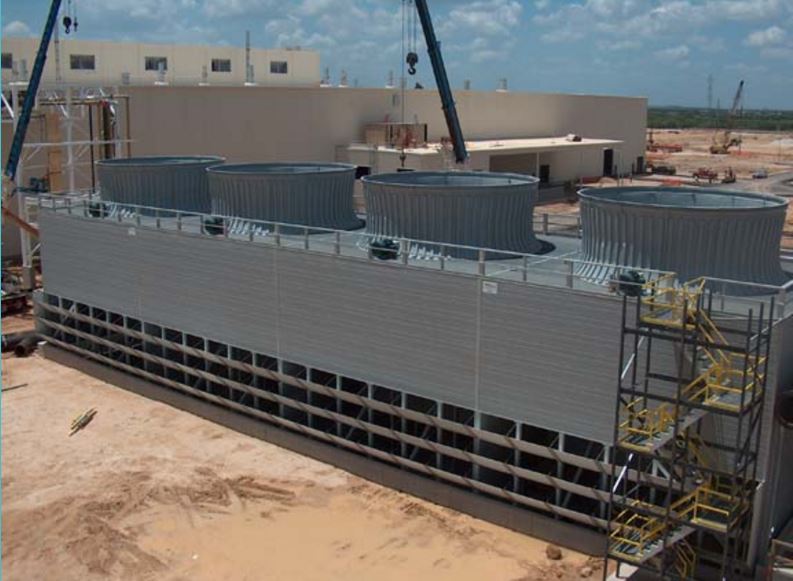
[[278, 67], [8, 60], [82, 62], [221, 65], [154, 63]]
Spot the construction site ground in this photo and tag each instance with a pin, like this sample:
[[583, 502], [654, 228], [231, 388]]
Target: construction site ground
[[146, 491], [759, 150]]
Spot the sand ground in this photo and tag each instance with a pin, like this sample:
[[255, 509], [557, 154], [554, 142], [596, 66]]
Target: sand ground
[[146, 491], [772, 151]]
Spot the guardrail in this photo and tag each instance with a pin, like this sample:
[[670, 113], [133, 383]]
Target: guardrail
[[491, 263], [559, 271]]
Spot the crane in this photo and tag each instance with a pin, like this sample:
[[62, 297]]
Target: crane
[[32, 91], [444, 89], [723, 140], [23, 120]]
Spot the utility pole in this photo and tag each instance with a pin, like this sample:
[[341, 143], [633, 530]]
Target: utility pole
[[710, 93]]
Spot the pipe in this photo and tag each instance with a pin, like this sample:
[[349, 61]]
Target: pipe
[[22, 344]]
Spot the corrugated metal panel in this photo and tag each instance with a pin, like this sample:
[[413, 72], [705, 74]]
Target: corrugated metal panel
[[176, 183], [691, 232], [541, 355], [226, 291], [551, 357], [309, 194], [407, 328], [478, 209]]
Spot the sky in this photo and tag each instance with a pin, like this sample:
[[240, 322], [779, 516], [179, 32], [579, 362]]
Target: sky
[[662, 49]]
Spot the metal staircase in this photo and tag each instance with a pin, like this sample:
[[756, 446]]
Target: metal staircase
[[704, 369]]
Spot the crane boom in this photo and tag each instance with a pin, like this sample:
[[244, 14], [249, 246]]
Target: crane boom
[[736, 103], [445, 90], [33, 88]]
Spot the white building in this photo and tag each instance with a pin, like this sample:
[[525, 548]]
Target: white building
[[89, 62]]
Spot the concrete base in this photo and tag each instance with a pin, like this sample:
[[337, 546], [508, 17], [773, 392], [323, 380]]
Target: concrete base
[[519, 519]]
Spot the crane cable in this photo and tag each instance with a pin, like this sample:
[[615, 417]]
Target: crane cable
[[412, 57], [70, 18]]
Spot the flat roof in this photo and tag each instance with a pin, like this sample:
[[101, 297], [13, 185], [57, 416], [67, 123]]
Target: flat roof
[[520, 145]]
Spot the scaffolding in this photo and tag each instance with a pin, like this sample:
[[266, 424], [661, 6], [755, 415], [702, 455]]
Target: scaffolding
[[689, 408], [74, 126]]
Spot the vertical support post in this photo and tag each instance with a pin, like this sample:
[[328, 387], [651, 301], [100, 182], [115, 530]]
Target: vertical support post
[[482, 265], [545, 224], [305, 238], [277, 233], [559, 468], [443, 257], [178, 221], [337, 243], [525, 273], [28, 274], [69, 118], [569, 277], [405, 244]]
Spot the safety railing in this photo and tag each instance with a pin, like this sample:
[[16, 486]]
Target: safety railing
[[634, 533], [643, 425], [556, 271], [708, 506], [715, 386], [686, 559]]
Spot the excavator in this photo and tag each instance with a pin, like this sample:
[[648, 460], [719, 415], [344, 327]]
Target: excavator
[[723, 139]]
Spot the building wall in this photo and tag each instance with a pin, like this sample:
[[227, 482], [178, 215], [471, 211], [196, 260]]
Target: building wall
[[185, 63], [272, 124]]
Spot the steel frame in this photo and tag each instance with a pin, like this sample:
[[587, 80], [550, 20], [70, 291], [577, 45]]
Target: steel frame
[[709, 494], [492, 455]]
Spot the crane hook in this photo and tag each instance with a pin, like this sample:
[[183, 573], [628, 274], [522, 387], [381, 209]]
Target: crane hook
[[411, 60]]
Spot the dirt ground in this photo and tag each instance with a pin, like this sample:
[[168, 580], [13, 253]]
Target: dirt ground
[[772, 151], [146, 491]]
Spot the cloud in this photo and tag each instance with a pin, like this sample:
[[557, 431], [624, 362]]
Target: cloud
[[618, 45], [769, 36], [673, 54], [16, 28], [778, 52], [488, 17], [239, 8], [709, 44]]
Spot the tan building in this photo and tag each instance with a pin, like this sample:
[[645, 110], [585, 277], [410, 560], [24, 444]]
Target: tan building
[[505, 131], [89, 62]]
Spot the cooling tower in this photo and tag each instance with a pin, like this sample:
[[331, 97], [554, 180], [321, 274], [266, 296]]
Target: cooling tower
[[173, 182], [309, 194], [477, 209], [693, 232]]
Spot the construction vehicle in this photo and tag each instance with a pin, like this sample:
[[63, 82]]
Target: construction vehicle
[[653, 145], [729, 176], [705, 173], [760, 174], [723, 140], [655, 167]]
